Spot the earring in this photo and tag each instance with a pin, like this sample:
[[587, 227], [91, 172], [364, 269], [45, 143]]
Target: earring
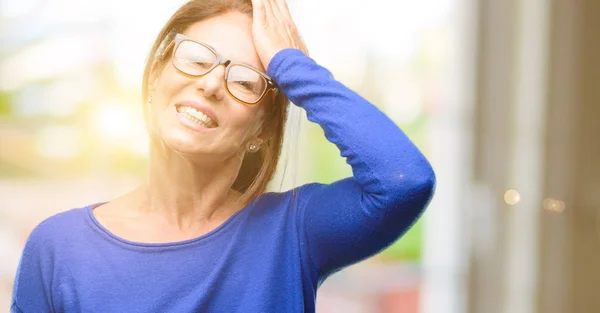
[[150, 99], [253, 148]]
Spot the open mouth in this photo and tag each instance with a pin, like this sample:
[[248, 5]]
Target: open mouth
[[196, 116]]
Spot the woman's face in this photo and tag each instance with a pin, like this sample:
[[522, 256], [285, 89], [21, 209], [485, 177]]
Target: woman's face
[[234, 125]]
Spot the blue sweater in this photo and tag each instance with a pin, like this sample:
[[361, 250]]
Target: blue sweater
[[269, 257]]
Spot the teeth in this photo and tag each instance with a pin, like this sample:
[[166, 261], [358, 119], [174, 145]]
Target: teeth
[[196, 116]]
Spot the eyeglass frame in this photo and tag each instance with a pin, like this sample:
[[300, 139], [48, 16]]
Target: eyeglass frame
[[179, 38]]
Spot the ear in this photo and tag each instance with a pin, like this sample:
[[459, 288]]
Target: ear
[[258, 134], [153, 77], [256, 140], [254, 145]]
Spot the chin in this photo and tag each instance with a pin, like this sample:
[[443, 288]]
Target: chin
[[183, 142]]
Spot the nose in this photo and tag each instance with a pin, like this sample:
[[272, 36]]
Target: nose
[[211, 84]]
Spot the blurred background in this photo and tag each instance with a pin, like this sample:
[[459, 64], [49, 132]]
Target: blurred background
[[503, 96]]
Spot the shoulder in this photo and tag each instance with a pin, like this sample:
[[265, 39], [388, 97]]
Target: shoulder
[[55, 228], [285, 201], [299, 193], [305, 192], [47, 242]]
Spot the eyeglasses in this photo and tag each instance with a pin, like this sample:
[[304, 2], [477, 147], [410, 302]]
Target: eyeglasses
[[243, 82]]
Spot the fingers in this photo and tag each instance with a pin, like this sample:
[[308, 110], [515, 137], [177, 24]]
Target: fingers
[[273, 12], [267, 13], [286, 18], [259, 11], [283, 9], [292, 30], [280, 6], [273, 25]]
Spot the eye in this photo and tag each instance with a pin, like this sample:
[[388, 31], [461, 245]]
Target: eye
[[246, 84], [203, 64]]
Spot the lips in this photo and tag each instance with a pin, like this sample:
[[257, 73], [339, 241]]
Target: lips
[[204, 109]]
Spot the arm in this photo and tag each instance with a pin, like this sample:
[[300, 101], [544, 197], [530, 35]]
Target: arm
[[14, 308], [31, 289], [392, 181]]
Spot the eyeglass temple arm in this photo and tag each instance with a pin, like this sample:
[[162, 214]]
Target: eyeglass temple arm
[[162, 55]]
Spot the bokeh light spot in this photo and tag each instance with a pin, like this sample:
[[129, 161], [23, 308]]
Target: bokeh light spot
[[512, 197], [553, 205]]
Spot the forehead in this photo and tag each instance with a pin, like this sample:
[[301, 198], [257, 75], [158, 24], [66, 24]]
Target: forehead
[[230, 34]]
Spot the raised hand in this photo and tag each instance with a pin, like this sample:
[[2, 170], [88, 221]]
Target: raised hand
[[273, 29]]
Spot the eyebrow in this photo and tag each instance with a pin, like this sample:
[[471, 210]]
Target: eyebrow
[[234, 61], [217, 51]]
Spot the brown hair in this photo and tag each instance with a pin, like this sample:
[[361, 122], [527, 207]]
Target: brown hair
[[257, 168]]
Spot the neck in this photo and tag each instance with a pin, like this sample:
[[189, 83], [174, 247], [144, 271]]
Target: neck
[[185, 193]]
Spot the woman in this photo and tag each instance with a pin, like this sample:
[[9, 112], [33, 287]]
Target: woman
[[201, 235]]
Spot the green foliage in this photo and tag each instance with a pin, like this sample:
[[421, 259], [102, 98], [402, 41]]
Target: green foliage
[[5, 103], [408, 247], [328, 165]]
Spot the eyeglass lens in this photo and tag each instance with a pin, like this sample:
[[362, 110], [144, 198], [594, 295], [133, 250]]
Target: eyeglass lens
[[243, 83]]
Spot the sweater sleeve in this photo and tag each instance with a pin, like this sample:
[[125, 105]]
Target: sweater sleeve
[[392, 183], [32, 285]]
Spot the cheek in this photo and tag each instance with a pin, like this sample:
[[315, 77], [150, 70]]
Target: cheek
[[170, 84], [244, 119]]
